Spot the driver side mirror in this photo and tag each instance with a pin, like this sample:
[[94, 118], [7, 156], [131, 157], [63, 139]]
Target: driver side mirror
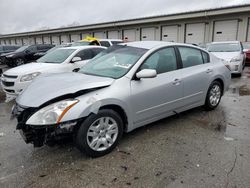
[[146, 73], [75, 59]]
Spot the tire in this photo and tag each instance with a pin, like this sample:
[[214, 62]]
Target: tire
[[97, 134], [19, 61], [214, 95]]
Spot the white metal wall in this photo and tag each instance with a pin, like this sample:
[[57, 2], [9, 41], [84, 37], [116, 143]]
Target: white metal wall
[[195, 33], [55, 40], [148, 33], [225, 30], [170, 33], [75, 37], [64, 39], [130, 34], [113, 34], [100, 35]]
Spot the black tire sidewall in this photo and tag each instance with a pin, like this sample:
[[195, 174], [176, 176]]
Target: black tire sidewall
[[81, 135], [208, 105], [17, 60]]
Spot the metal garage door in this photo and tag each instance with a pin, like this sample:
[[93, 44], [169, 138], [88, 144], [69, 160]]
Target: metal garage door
[[84, 35], [31, 40], [18, 41], [130, 34], [55, 40], [100, 35], [46, 40], [170, 33], [248, 34], [39, 40], [13, 41], [225, 30], [75, 37], [64, 39], [25, 41], [113, 35], [148, 33], [195, 33]]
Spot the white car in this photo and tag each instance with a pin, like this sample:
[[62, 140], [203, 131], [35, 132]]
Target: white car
[[67, 59], [232, 54]]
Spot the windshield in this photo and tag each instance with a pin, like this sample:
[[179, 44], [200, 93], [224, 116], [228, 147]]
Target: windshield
[[113, 62], [224, 47], [56, 56], [246, 45], [22, 48]]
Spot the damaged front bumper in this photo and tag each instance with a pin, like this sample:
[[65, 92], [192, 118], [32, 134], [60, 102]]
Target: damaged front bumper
[[40, 135]]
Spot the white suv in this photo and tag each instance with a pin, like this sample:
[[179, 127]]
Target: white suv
[[65, 59]]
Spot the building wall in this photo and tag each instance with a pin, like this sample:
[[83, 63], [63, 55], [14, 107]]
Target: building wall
[[197, 30]]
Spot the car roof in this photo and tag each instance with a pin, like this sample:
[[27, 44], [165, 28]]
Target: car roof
[[156, 44], [82, 47], [225, 42], [110, 40]]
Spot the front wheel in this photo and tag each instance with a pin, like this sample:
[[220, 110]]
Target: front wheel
[[19, 61], [99, 133], [214, 95]]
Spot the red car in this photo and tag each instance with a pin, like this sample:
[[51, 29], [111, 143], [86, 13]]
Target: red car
[[246, 47]]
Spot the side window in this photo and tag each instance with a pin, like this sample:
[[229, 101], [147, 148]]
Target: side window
[[162, 61], [105, 43], [85, 54], [97, 51], [205, 57], [190, 56], [32, 49]]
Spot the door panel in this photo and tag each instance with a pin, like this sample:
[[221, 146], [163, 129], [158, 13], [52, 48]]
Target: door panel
[[170, 33], [130, 34], [225, 30], [195, 33], [148, 34]]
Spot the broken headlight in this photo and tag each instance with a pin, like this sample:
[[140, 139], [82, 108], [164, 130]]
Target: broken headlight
[[29, 77], [52, 114]]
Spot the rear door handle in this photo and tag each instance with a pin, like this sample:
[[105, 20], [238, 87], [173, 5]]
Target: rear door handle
[[209, 71], [176, 81]]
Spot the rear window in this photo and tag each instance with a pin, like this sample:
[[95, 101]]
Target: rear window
[[105, 43], [190, 57], [224, 47], [205, 57]]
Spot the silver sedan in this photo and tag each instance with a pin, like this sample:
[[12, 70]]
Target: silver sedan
[[123, 88]]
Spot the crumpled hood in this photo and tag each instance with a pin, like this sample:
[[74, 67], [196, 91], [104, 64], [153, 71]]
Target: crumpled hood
[[47, 87], [31, 68], [226, 55]]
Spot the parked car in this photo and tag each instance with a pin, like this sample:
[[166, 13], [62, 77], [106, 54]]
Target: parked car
[[231, 52], [66, 59], [40, 54], [246, 50], [127, 86], [98, 42], [25, 54], [7, 49]]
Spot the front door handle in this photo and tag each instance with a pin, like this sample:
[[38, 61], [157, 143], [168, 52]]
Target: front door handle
[[176, 81], [209, 71]]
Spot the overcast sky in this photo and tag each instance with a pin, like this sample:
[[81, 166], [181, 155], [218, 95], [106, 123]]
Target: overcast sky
[[29, 15]]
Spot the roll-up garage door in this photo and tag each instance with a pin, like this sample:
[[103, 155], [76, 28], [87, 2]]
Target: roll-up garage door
[[100, 35], [225, 30], [113, 35], [25, 41], [195, 33], [13, 41], [18, 41], [84, 35], [55, 40], [170, 33], [39, 40], [64, 39], [130, 34], [148, 34], [248, 34], [31, 40], [75, 37], [46, 40]]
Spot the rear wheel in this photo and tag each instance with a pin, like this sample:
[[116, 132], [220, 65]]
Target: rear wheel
[[214, 95], [99, 133]]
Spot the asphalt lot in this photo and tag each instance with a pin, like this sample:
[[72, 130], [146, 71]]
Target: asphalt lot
[[194, 149]]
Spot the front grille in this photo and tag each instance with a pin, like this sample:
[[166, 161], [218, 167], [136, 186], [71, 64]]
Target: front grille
[[9, 76], [7, 84]]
